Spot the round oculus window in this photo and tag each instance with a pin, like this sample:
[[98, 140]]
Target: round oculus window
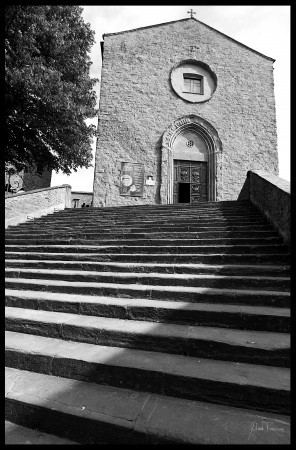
[[193, 81]]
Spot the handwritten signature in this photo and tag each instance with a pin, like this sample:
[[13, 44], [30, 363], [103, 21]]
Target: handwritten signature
[[268, 426]]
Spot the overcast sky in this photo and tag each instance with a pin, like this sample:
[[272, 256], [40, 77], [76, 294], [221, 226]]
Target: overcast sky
[[263, 28]]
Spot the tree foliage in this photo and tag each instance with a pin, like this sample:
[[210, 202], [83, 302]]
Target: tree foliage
[[48, 89]]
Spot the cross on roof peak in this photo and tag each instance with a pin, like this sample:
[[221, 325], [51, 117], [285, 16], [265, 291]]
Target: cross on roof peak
[[191, 12]]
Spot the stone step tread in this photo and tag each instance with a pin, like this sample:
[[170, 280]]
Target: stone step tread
[[141, 209], [146, 222], [85, 254], [146, 226], [162, 214], [276, 378], [141, 241], [19, 435], [147, 246], [22, 231], [144, 303], [152, 275], [146, 415], [143, 287], [153, 215], [159, 213], [257, 267], [168, 268], [148, 230], [141, 237], [212, 203], [257, 340], [170, 209]]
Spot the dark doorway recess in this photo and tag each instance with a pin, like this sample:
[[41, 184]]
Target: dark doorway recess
[[184, 193], [190, 181]]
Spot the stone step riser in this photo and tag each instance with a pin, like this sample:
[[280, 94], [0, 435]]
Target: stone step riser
[[148, 207], [171, 249], [193, 346], [145, 230], [276, 271], [186, 209], [151, 218], [71, 426], [239, 259], [59, 219], [231, 297], [270, 284], [56, 240], [240, 320], [147, 224], [198, 389], [144, 210], [97, 430], [185, 235]]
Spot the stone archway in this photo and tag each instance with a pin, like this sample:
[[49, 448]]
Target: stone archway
[[209, 135]]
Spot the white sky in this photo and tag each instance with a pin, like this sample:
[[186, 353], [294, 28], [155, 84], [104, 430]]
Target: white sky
[[263, 28]]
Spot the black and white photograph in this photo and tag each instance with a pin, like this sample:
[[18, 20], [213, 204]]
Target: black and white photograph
[[147, 224]]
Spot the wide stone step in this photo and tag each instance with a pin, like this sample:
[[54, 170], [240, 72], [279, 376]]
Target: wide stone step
[[153, 223], [204, 280], [188, 258], [254, 347], [220, 382], [101, 222], [74, 240], [90, 228], [174, 293], [238, 316], [158, 209], [153, 235], [18, 435], [147, 249], [269, 270], [144, 211], [149, 207], [158, 219], [92, 413], [147, 218]]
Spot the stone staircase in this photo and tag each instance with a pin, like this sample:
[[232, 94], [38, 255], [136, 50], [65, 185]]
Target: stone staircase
[[149, 324]]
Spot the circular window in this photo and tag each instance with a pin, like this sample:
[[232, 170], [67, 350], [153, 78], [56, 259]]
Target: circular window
[[189, 143], [193, 81]]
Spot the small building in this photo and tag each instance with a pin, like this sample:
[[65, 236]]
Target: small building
[[185, 112], [81, 199]]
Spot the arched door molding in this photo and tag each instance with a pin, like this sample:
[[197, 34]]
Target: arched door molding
[[204, 129]]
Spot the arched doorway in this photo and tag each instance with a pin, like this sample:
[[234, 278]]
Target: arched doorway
[[191, 172], [191, 162]]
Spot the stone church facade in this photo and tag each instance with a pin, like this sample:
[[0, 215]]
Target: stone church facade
[[185, 111]]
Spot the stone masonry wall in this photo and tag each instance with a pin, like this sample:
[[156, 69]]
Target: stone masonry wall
[[36, 203], [137, 105], [271, 195]]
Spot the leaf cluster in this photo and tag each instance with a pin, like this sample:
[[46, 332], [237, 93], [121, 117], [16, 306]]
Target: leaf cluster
[[48, 89]]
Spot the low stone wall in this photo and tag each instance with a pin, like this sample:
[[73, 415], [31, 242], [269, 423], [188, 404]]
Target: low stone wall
[[271, 195], [23, 206]]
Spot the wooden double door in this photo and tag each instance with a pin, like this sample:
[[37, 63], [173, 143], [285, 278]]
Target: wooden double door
[[190, 181]]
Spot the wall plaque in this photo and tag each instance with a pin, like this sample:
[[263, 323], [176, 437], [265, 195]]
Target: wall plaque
[[132, 179]]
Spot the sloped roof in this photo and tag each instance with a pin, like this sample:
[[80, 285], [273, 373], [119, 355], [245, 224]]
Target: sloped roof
[[183, 20]]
